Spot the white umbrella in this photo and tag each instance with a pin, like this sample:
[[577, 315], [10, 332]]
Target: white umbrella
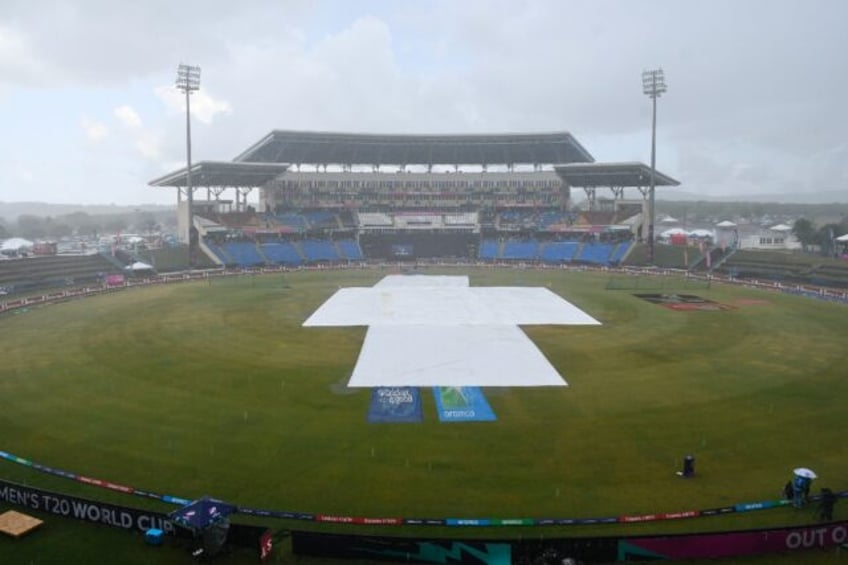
[[842, 237], [806, 473]]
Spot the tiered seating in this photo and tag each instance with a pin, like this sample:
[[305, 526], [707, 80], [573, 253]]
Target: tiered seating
[[526, 250], [461, 219], [350, 250], [321, 219], [559, 251], [245, 254], [517, 219], [54, 270], [596, 253], [552, 221], [347, 219], [319, 250], [294, 222], [596, 217], [418, 220], [283, 252], [375, 220], [217, 251], [489, 249], [620, 252]]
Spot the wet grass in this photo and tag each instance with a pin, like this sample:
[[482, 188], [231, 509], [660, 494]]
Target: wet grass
[[215, 388]]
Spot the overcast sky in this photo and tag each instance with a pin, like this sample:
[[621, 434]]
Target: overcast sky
[[756, 101]]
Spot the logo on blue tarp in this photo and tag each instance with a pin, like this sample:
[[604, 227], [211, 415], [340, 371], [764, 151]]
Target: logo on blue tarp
[[462, 404], [395, 404]]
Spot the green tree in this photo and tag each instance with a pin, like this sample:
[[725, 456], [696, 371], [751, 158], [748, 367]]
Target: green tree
[[805, 231], [115, 224], [825, 236], [59, 229], [31, 227]]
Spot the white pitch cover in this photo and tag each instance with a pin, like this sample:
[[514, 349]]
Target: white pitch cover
[[438, 331]]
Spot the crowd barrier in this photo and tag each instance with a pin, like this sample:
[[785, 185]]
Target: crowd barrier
[[807, 291], [119, 516], [466, 522], [579, 549]]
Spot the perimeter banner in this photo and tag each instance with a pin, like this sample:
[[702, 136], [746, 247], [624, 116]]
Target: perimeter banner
[[395, 404], [462, 404], [712, 546], [83, 509], [411, 550]]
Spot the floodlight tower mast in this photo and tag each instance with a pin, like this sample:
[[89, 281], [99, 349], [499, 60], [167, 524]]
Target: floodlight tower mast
[[188, 80], [653, 84]]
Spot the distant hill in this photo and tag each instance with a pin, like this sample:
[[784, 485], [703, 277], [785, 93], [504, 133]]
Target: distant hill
[[820, 197], [11, 210]]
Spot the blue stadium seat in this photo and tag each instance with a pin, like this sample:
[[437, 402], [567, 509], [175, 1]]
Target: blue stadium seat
[[620, 252], [489, 249], [245, 254], [292, 220], [522, 250], [598, 253], [216, 249], [350, 250], [284, 253], [319, 250], [559, 251], [321, 219]]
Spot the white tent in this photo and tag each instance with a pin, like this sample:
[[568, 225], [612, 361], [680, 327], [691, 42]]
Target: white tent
[[16, 244], [669, 220], [140, 266], [781, 227], [726, 224], [673, 231], [701, 233], [842, 238]]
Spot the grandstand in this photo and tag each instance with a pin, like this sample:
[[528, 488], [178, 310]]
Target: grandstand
[[35, 273], [337, 197]]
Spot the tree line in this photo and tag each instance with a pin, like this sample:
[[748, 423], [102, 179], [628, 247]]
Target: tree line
[[823, 237], [82, 224]]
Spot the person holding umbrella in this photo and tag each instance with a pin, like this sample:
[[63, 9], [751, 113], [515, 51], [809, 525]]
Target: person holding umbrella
[[801, 486]]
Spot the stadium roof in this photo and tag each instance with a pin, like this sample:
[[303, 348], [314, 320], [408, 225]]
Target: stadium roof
[[612, 175], [299, 147], [223, 174]]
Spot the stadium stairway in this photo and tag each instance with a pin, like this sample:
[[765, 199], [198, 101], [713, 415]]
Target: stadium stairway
[[216, 253], [723, 259], [350, 250]]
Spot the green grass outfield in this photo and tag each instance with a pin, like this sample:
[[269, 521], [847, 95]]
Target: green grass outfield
[[215, 388]]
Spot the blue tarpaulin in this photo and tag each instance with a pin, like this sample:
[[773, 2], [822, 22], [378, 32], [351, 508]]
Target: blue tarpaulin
[[202, 513], [395, 404]]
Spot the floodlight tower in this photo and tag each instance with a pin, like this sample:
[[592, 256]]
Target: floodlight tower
[[188, 80], [653, 84]]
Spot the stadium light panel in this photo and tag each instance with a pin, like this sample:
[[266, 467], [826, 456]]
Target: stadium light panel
[[188, 78]]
